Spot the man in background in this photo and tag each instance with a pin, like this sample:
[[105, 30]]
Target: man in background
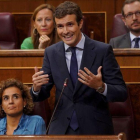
[[131, 18]]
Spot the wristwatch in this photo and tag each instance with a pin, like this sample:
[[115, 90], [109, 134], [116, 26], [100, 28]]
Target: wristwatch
[[100, 89]]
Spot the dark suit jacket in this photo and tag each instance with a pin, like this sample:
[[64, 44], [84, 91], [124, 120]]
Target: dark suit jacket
[[122, 41], [91, 107]]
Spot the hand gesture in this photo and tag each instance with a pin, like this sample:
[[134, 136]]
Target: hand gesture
[[43, 41], [89, 79], [39, 79]]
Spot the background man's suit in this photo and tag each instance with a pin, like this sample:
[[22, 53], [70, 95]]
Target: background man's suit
[[91, 107], [122, 41]]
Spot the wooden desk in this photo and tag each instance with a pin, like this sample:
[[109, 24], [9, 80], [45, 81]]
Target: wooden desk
[[20, 64], [129, 61], [120, 136]]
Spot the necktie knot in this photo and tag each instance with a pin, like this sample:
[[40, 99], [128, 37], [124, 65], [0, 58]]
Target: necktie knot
[[136, 42], [73, 49], [136, 39]]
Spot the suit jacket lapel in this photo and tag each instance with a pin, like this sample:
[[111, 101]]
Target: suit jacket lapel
[[61, 61], [87, 58]]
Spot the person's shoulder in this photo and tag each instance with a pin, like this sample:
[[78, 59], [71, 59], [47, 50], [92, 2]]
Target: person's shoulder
[[95, 43], [2, 119], [2, 122], [33, 124], [29, 39], [27, 43], [119, 37], [34, 118], [54, 46], [87, 39], [99, 43]]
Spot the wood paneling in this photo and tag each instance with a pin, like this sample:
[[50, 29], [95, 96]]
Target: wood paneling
[[19, 64], [92, 19], [134, 90], [21, 58], [94, 6], [118, 5], [111, 7], [23, 23], [129, 61], [19, 5]]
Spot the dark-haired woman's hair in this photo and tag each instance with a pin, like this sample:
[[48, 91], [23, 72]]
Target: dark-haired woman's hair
[[24, 91]]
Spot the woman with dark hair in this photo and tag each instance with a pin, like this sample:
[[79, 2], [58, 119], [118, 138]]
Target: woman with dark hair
[[15, 104], [43, 33]]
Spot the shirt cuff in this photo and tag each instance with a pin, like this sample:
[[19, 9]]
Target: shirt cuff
[[105, 91], [35, 93]]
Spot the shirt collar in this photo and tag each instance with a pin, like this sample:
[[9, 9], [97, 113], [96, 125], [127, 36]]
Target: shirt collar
[[22, 121], [3, 124], [133, 36], [80, 45], [21, 124]]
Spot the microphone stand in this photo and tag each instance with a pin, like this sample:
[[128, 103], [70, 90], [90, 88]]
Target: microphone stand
[[64, 85]]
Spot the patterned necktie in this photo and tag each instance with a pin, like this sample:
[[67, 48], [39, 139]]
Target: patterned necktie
[[74, 75], [136, 42]]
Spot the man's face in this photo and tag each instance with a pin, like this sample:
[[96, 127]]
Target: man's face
[[69, 30], [132, 22]]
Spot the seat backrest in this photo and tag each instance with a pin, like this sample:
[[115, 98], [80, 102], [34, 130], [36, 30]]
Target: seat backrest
[[42, 109], [118, 27], [123, 117], [8, 32]]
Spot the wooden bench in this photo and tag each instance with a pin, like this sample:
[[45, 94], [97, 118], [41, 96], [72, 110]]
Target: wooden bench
[[120, 136]]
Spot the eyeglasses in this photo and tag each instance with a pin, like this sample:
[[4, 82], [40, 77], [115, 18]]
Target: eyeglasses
[[130, 15]]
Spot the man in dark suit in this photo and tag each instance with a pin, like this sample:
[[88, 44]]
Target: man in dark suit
[[131, 18], [83, 107]]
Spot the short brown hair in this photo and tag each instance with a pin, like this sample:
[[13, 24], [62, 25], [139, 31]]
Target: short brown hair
[[25, 94], [127, 2], [68, 8]]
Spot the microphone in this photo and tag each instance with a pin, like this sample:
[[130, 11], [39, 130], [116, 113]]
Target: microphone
[[64, 85]]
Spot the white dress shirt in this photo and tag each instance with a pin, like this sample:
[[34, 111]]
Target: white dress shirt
[[132, 40], [79, 54]]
